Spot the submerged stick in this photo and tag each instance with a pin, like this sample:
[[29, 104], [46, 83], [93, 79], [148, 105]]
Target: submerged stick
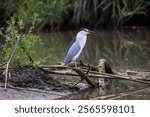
[[120, 95], [129, 93], [10, 59]]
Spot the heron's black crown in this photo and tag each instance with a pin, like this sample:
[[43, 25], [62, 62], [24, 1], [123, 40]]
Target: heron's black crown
[[84, 29]]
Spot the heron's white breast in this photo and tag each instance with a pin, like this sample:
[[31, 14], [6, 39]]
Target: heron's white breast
[[81, 38]]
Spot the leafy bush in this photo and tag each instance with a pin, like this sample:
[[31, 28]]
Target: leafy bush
[[26, 46]]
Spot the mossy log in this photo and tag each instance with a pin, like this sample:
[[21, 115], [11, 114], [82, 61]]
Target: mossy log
[[84, 76]]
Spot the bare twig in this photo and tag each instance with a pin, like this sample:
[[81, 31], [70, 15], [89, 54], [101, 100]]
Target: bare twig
[[10, 59]]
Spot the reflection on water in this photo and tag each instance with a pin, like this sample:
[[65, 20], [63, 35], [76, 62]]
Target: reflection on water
[[126, 48], [118, 89]]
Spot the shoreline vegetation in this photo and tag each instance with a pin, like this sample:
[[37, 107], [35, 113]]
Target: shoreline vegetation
[[72, 14], [19, 21]]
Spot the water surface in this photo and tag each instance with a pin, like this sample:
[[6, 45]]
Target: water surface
[[124, 49]]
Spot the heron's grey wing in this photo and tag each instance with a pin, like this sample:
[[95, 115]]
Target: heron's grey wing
[[71, 43], [72, 51]]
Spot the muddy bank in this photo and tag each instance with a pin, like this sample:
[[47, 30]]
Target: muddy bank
[[28, 83], [25, 94], [35, 83]]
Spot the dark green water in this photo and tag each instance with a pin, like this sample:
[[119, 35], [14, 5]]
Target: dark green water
[[124, 49]]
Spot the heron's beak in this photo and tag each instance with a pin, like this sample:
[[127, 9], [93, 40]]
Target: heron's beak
[[90, 31]]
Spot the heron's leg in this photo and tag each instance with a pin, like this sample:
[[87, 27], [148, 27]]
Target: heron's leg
[[75, 64]]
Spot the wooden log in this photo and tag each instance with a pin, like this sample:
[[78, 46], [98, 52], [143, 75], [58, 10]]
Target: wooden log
[[94, 74]]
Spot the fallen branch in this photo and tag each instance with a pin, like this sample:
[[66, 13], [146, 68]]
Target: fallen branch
[[84, 76], [54, 67], [95, 74]]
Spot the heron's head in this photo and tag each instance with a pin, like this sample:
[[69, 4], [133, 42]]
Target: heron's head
[[85, 31]]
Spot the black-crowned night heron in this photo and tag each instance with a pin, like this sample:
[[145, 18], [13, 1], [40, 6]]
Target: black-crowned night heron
[[77, 44]]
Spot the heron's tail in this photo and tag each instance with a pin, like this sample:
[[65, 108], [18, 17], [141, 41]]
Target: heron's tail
[[66, 62]]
